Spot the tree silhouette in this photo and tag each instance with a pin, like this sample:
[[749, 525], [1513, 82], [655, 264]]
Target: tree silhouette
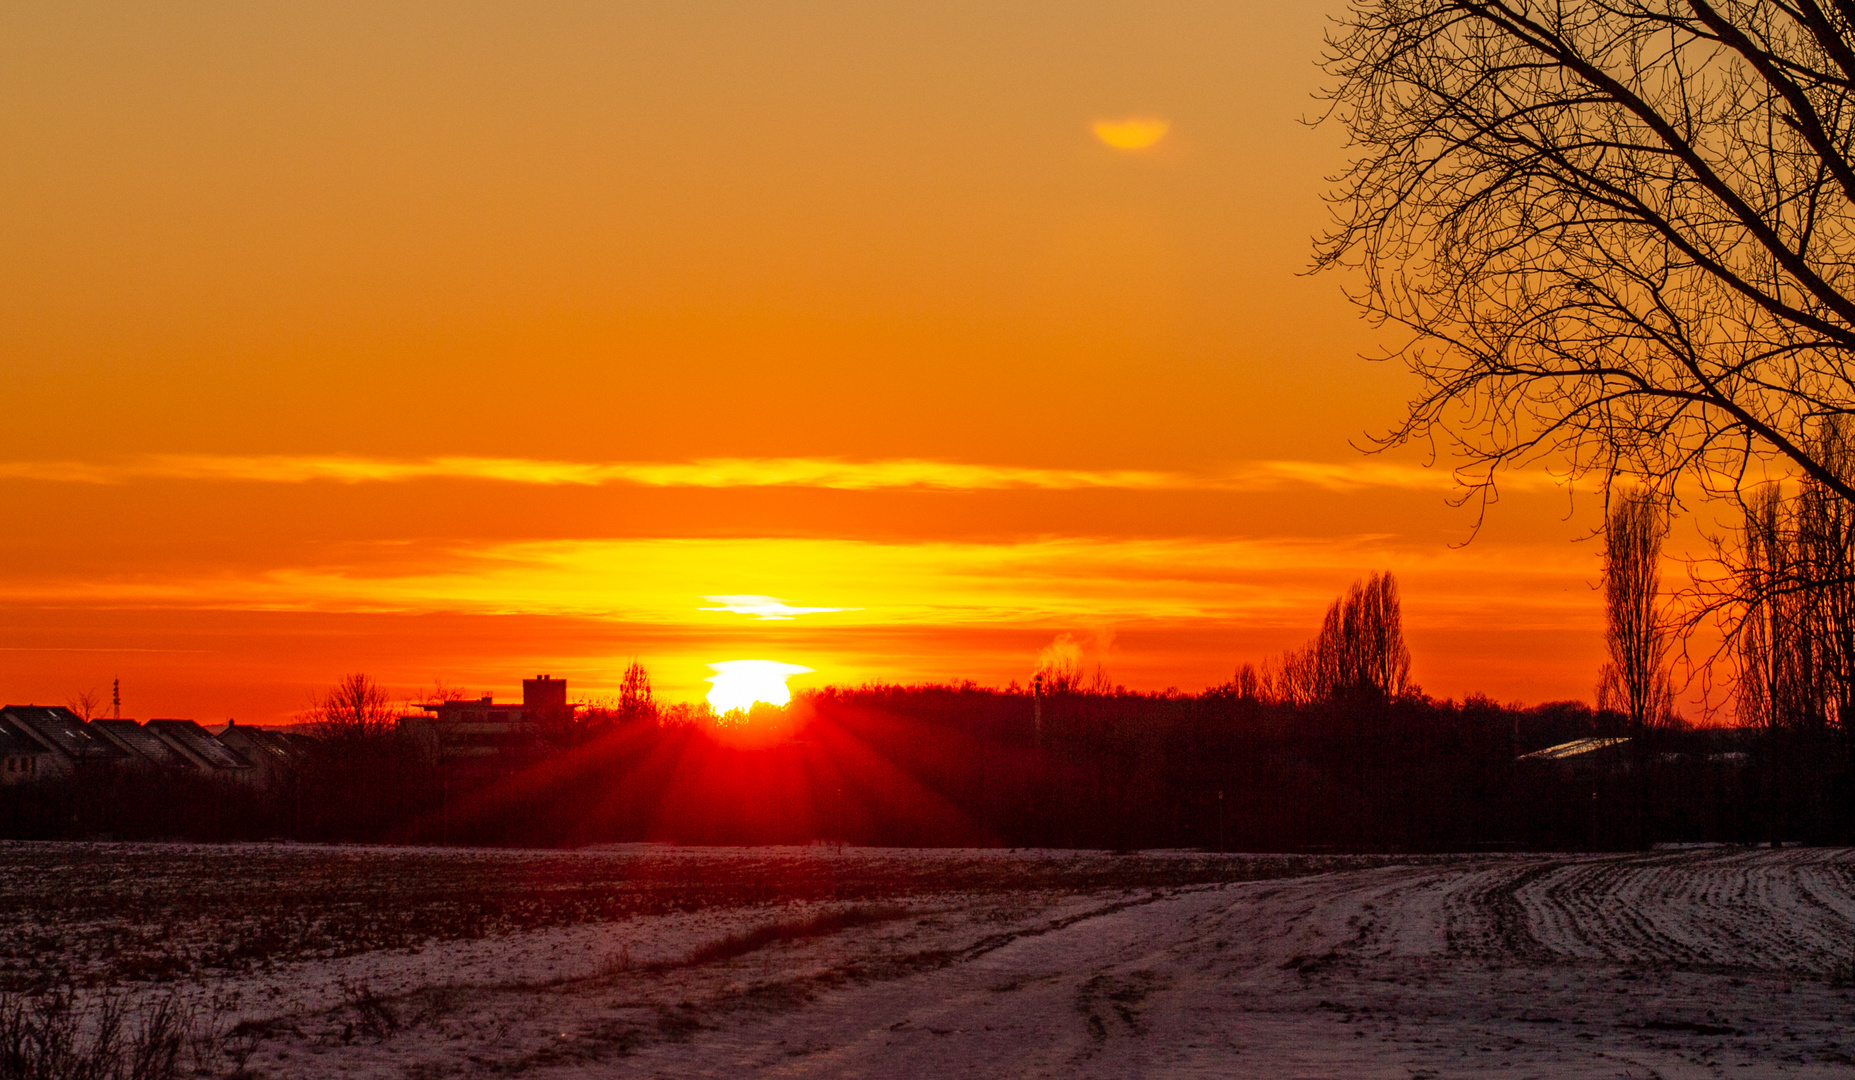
[[1635, 680], [88, 705], [634, 695], [1620, 232], [1359, 653], [354, 708], [1059, 667], [1791, 591]]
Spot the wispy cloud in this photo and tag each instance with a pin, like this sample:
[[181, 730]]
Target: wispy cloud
[[796, 472], [765, 607]]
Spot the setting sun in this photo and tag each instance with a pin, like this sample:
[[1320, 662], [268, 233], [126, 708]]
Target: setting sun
[[1133, 133], [741, 684]]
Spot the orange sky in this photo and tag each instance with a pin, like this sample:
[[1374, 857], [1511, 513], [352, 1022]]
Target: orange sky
[[465, 341]]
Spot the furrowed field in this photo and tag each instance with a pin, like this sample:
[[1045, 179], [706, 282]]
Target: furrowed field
[[300, 961]]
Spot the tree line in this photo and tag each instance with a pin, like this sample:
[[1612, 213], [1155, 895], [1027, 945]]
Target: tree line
[[961, 764], [1330, 746]]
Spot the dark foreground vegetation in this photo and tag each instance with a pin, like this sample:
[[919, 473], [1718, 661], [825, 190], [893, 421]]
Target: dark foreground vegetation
[[1228, 769]]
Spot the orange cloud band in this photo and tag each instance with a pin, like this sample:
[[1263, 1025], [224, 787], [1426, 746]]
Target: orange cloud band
[[1054, 582], [833, 473]]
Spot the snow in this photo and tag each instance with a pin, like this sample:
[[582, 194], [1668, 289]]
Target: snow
[[1675, 963]]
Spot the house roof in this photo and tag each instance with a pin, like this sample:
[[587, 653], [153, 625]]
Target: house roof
[[140, 741], [59, 729], [463, 703], [13, 744], [255, 743], [449, 710], [1575, 748], [193, 739]]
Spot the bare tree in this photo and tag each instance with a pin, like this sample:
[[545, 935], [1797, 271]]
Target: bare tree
[[1792, 647], [440, 692], [354, 708], [634, 695], [1372, 623], [1769, 631], [1298, 683], [1826, 542], [1792, 581], [1621, 233], [1635, 679], [1059, 667], [1251, 684], [87, 705], [1359, 652]]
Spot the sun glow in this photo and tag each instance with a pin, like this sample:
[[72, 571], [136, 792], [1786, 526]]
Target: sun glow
[[740, 684], [1133, 133]]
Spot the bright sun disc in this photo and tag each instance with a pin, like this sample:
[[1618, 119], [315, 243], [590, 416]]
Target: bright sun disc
[[739, 684], [1134, 133]]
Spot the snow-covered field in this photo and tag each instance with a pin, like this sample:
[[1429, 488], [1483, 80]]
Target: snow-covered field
[[826, 962]]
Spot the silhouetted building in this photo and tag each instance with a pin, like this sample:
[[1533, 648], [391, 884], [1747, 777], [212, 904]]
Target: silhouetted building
[[22, 759], [1592, 755], [61, 733], [142, 748], [543, 693], [269, 752], [202, 751], [485, 729]]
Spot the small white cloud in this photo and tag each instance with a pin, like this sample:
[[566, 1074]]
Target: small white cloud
[[765, 607]]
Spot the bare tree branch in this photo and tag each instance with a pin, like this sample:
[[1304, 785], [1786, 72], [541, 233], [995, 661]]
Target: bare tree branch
[[1620, 234]]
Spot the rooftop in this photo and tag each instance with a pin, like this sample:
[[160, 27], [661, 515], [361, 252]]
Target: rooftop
[[1575, 748]]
